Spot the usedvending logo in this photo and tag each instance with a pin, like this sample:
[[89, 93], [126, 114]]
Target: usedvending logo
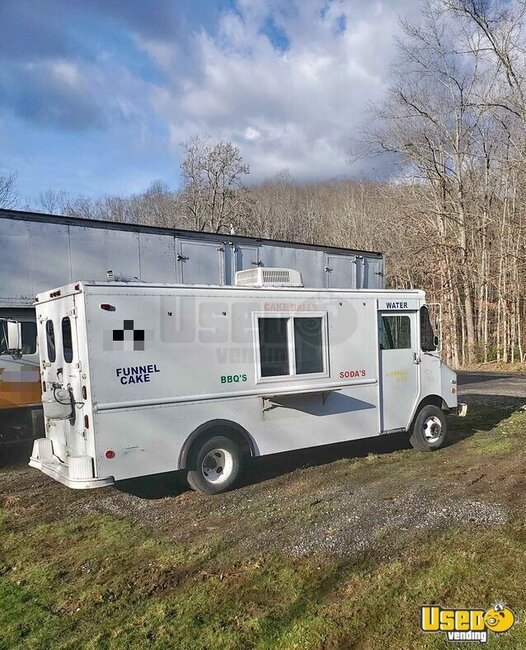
[[467, 624]]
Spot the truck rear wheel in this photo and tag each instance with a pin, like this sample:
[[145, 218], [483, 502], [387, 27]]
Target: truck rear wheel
[[429, 429], [215, 465]]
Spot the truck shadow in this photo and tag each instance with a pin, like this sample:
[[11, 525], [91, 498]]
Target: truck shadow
[[265, 468], [484, 413], [15, 454]]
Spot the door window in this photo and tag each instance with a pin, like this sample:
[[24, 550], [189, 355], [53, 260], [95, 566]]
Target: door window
[[395, 332], [67, 342], [50, 340]]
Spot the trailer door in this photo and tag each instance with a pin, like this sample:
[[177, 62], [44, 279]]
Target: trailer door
[[340, 272], [399, 359], [201, 262]]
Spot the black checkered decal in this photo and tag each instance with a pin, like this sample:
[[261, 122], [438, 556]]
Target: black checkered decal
[[129, 333]]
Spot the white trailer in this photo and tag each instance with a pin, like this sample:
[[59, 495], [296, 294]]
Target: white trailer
[[89, 248], [139, 379]]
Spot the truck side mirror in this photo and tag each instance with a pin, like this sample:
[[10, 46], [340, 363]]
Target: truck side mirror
[[14, 338], [436, 341]]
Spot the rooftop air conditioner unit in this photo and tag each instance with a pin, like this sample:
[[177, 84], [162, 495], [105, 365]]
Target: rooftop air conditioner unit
[[268, 277]]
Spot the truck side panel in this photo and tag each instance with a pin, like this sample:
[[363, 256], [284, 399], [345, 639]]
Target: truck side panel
[[161, 366], [182, 346], [149, 440]]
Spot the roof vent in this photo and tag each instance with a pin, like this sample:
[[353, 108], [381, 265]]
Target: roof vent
[[268, 277], [119, 277]]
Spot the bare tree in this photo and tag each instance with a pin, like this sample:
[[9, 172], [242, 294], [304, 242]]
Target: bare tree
[[432, 121], [213, 196], [8, 193], [53, 202], [158, 206], [453, 222]]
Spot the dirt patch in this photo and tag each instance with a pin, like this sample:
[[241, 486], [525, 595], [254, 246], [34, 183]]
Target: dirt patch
[[342, 507], [336, 547]]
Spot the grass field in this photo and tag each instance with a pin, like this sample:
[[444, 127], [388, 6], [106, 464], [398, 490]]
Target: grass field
[[338, 553]]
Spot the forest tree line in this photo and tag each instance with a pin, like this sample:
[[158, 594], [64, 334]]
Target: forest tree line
[[451, 220]]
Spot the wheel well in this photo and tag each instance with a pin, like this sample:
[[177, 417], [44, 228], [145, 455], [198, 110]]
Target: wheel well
[[434, 400], [226, 428]]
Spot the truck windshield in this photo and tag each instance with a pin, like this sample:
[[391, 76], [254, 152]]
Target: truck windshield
[[29, 337], [427, 335], [3, 337]]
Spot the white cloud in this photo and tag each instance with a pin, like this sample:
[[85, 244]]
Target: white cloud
[[66, 72], [251, 133], [298, 106]]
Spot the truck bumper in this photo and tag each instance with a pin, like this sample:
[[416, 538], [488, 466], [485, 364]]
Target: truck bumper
[[462, 410], [77, 474]]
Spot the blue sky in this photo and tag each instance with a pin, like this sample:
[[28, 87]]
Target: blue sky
[[97, 95]]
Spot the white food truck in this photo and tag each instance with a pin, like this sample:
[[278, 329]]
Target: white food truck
[[139, 379]]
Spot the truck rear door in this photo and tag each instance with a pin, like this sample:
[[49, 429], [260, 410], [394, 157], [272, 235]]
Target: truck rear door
[[61, 382]]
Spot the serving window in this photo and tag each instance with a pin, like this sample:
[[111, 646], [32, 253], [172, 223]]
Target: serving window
[[291, 345]]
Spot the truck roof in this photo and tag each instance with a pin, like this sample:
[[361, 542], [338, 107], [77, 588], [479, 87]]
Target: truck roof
[[78, 287]]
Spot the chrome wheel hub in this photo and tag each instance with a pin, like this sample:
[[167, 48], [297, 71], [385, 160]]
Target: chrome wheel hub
[[217, 466], [432, 429]]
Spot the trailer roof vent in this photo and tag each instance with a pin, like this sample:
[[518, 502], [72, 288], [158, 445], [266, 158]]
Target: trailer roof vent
[[262, 277], [113, 276]]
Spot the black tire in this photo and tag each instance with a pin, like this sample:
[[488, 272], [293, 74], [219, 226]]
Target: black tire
[[429, 429], [206, 477]]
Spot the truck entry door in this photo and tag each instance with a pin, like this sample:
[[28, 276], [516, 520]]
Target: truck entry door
[[399, 366]]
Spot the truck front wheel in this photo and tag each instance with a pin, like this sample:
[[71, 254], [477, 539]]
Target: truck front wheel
[[429, 429], [215, 465]]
